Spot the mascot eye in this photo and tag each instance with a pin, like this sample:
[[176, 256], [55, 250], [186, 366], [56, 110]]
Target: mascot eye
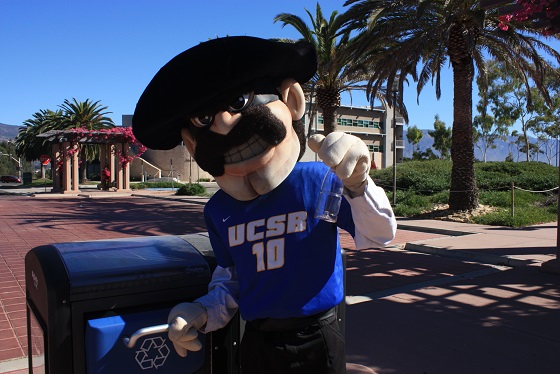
[[241, 102], [203, 121]]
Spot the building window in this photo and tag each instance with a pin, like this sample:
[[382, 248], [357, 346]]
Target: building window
[[341, 121], [357, 122], [375, 148]]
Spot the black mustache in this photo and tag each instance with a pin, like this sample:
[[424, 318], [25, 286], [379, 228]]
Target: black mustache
[[211, 147]]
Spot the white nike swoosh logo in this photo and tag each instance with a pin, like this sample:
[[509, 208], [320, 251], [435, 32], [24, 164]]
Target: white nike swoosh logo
[[225, 219]]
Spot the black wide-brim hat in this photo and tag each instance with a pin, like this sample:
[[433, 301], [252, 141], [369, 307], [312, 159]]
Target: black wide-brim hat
[[202, 73]]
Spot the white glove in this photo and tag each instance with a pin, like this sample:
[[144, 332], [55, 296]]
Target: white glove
[[347, 155], [185, 320]]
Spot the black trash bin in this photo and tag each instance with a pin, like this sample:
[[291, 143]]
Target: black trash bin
[[102, 306]]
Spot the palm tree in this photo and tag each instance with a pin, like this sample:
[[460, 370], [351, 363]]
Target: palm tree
[[336, 72], [433, 33], [28, 144], [87, 115]]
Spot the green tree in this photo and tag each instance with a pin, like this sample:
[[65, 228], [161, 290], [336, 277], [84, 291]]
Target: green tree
[[72, 114], [338, 70], [510, 100], [88, 115], [546, 123], [513, 141], [490, 128], [7, 164], [414, 135], [421, 37], [442, 137], [428, 154], [28, 144]]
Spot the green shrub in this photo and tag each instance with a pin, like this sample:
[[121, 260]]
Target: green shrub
[[410, 203], [441, 197], [495, 198], [41, 183], [497, 176], [424, 177], [407, 211], [420, 184], [191, 189], [524, 216], [415, 200], [143, 185]]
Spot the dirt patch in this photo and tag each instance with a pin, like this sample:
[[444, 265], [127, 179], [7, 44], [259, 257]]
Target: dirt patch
[[443, 213]]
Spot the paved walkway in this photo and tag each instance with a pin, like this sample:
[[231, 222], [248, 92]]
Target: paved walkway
[[444, 298]]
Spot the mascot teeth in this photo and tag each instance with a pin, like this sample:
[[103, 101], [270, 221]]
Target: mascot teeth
[[254, 147]]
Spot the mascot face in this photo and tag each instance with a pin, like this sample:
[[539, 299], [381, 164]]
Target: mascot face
[[250, 147], [236, 104]]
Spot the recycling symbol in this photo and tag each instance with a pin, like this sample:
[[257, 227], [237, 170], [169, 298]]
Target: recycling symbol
[[152, 353]]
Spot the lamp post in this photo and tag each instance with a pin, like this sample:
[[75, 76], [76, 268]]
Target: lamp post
[[394, 88]]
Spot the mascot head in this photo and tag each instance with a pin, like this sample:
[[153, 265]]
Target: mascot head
[[237, 104]]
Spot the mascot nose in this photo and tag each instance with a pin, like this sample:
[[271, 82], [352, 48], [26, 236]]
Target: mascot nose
[[225, 121]]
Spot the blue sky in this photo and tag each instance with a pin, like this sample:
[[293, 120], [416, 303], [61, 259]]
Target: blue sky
[[109, 50]]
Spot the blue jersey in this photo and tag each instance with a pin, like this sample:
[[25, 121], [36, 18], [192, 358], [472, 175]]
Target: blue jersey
[[288, 263]]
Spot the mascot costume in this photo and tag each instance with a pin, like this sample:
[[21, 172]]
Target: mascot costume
[[237, 104]]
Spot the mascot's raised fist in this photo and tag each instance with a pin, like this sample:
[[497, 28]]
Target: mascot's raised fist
[[347, 155], [184, 321]]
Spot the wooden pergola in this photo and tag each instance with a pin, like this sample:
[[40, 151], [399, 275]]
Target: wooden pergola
[[65, 160]]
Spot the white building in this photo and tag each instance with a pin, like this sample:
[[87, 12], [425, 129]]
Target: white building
[[374, 126]]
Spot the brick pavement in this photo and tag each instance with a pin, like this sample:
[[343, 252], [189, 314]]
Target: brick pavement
[[27, 222]]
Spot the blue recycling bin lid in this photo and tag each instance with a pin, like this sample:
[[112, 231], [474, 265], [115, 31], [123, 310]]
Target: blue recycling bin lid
[[107, 266]]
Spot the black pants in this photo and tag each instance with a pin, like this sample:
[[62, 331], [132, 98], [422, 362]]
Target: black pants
[[302, 345]]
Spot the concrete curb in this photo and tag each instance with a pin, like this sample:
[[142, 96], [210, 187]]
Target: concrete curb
[[14, 365], [468, 256], [190, 200], [484, 258], [433, 230]]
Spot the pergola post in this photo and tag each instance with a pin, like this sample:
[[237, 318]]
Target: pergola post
[[75, 167], [55, 170], [70, 168], [112, 166], [66, 168], [120, 167], [126, 167]]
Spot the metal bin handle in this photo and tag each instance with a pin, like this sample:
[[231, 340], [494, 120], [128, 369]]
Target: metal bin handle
[[129, 342]]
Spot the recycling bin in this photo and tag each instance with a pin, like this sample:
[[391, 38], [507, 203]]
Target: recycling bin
[[101, 306]]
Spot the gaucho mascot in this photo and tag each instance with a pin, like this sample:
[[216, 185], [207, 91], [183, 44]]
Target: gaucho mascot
[[237, 104]]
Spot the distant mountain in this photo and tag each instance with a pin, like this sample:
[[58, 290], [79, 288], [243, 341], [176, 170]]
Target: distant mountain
[[8, 132], [503, 148]]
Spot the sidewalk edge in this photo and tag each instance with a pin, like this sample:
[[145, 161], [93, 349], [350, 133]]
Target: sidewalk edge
[[469, 256]]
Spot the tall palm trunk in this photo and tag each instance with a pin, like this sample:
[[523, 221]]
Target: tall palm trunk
[[329, 102], [464, 193]]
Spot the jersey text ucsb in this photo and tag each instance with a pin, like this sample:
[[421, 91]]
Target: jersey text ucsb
[[267, 236]]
